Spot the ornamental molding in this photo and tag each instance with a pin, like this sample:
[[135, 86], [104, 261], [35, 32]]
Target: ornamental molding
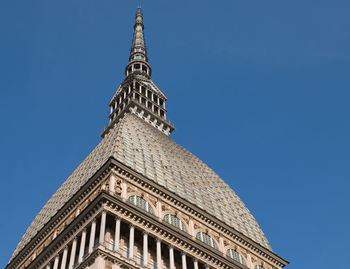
[[97, 184], [70, 211], [195, 211], [166, 233], [68, 235]]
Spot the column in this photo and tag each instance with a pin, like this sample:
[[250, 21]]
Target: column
[[184, 261], [159, 209], [82, 246], [159, 254], [92, 236], [191, 228], [64, 258], [123, 184], [171, 257], [206, 266], [48, 266], [102, 227], [222, 246], [111, 183], [72, 253], [57, 259], [131, 241], [195, 263], [145, 248], [249, 261], [117, 234]]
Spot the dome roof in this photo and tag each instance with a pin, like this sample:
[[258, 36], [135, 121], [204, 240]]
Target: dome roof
[[155, 155]]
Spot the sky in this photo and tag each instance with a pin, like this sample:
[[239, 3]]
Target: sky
[[258, 89]]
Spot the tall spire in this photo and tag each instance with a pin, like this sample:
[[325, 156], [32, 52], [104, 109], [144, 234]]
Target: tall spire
[[138, 60], [138, 94]]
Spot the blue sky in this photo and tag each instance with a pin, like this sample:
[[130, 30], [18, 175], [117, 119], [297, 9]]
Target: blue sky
[[258, 89]]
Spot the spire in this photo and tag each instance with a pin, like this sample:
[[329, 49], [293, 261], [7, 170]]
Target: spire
[[138, 60], [138, 94]]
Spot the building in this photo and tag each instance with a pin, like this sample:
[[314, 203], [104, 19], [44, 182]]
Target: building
[[140, 200]]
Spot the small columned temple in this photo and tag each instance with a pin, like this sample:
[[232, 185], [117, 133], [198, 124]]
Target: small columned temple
[[140, 200]]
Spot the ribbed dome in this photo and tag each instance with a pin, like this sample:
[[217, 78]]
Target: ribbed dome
[[150, 152]]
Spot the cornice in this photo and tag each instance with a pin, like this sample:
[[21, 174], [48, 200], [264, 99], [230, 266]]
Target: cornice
[[167, 233], [57, 219], [93, 183], [71, 231], [198, 212]]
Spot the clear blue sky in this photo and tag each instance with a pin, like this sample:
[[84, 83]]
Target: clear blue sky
[[258, 89]]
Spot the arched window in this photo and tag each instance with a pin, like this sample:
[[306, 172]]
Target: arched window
[[140, 203], [233, 254], [259, 267], [206, 238], [175, 221]]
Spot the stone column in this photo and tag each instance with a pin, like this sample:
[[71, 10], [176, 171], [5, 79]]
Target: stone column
[[191, 228], [159, 209], [171, 257], [117, 234], [82, 246], [184, 261], [111, 183], [57, 260], [145, 248], [64, 258], [249, 261], [222, 246], [206, 266], [131, 241], [159, 254], [124, 189], [48, 266], [195, 263], [92, 236], [72, 253], [102, 228]]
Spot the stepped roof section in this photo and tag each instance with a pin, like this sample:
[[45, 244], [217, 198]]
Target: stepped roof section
[[137, 135]]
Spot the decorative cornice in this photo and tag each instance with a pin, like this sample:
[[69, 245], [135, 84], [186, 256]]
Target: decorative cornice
[[166, 233], [71, 205], [199, 213], [93, 184]]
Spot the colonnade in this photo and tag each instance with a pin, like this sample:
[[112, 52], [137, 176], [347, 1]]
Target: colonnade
[[84, 244]]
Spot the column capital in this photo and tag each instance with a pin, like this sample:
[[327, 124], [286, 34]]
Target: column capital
[[158, 239], [144, 232], [117, 218], [170, 247], [85, 229], [131, 225]]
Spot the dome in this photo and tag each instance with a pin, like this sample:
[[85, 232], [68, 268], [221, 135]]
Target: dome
[[150, 152]]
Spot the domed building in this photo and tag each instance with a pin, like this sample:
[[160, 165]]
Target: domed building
[[140, 200]]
